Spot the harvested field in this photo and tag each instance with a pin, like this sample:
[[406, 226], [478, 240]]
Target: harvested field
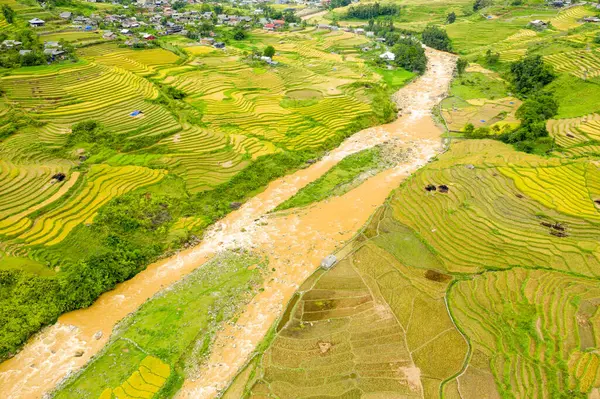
[[433, 260]]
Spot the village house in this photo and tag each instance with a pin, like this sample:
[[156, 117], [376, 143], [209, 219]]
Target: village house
[[108, 35], [36, 22], [54, 45], [591, 19], [174, 29], [65, 15], [54, 53], [538, 24], [8, 44], [388, 56], [132, 42]]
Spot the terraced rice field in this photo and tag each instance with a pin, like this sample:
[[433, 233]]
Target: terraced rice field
[[577, 136], [570, 18], [536, 344], [486, 290], [482, 202], [102, 183], [234, 112], [74, 37], [359, 329], [584, 64], [480, 112]]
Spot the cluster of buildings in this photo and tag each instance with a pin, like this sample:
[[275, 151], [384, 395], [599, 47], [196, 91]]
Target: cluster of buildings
[[53, 50], [540, 25], [358, 31]]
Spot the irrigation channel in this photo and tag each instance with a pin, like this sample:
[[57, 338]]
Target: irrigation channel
[[295, 244]]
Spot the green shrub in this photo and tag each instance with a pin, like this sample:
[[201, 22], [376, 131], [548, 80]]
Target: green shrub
[[269, 51], [531, 74], [436, 38], [410, 55]]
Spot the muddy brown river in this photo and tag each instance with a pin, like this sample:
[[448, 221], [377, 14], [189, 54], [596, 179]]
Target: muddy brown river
[[294, 242]]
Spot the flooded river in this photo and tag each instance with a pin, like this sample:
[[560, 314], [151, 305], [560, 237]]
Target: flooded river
[[295, 244]]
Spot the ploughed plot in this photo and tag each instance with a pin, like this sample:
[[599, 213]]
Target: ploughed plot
[[375, 324]]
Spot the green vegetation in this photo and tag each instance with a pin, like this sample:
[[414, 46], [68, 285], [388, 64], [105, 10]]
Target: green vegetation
[[369, 11], [395, 78], [338, 180], [113, 161], [531, 74], [410, 55], [436, 38], [269, 51], [173, 331], [451, 18], [8, 13]]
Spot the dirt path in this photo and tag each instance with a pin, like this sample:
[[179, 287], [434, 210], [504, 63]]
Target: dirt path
[[295, 244], [317, 14]]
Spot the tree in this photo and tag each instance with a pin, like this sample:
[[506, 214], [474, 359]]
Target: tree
[[291, 17], [179, 4], [533, 114], [479, 4], [239, 34], [531, 74], [410, 55], [461, 65], [436, 38], [539, 108], [269, 51], [9, 13], [491, 58], [469, 129], [368, 11], [339, 3], [451, 18]]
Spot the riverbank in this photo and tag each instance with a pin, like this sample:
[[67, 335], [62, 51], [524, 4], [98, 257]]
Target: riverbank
[[294, 243]]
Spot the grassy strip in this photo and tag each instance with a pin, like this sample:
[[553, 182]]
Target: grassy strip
[[176, 327], [338, 180]]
